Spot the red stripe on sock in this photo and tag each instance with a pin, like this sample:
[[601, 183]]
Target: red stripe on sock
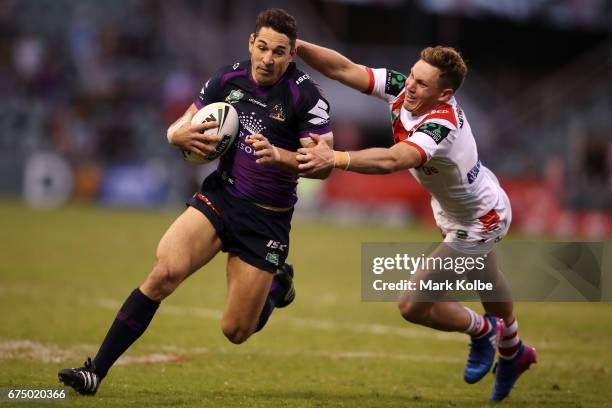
[[513, 335], [510, 351], [485, 328]]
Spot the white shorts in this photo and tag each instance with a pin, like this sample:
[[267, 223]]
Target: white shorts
[[476, 236]]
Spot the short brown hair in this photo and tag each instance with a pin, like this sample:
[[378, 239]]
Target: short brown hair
[[278, 20], [452, 67]]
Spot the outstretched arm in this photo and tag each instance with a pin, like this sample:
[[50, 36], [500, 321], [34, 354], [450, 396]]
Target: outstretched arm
[[376, 160], [334, 65]]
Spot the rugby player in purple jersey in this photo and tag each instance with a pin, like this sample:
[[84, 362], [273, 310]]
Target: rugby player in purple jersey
[[244, 208]]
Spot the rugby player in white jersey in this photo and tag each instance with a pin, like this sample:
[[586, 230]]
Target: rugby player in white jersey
[[434, 140]]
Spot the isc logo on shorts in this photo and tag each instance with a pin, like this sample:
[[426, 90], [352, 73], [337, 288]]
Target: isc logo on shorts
[[276, 245]]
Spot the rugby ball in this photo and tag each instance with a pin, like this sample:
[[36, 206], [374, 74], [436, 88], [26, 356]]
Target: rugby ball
[[227, 126]]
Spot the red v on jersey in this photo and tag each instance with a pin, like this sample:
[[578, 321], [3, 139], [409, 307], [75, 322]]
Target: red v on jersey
[[443, 111]]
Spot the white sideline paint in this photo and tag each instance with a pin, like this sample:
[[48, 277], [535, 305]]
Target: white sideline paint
[[317, 324], [51, 353]]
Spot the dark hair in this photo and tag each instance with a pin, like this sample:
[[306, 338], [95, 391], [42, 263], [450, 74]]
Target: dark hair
[[452, 67], [278, 20]]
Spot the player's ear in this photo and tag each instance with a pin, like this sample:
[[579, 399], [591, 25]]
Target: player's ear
[[446, 94], [251, 42], [293, 50]]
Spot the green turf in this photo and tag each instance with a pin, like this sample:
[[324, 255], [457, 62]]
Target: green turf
[[64, 273]]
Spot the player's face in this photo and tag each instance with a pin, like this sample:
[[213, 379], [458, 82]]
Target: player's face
[[271, 53], [423, 92]]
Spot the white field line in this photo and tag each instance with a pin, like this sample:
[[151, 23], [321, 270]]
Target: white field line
[[51, 353], [413, 332], [317, 324]]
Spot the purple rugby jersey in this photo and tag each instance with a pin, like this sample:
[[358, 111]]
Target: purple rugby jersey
[[284, 113]]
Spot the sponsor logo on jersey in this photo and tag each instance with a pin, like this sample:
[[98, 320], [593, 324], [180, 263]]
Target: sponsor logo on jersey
[[460, 117], [302, 79], [473, 173], [445, 112], [251, 122], [277, 113], [429, 170], [395, 82], [234, 96], [462, 234], [434, 130], [320, 113], [203, 90], [235, 66], [256, 102]]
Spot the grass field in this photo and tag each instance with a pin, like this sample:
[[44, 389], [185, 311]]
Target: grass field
[[63, 274]]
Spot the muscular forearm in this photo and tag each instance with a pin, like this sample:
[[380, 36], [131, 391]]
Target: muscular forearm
[[375, 161], [334, 65], [328, 62], [369, 161]]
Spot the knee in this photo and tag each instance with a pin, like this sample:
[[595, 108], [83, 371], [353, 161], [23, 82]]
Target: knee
[[163, 279], [236, 332], [412, 311]]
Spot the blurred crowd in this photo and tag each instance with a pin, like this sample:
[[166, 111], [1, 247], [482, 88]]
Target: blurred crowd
[[92, 86], [98, 83]]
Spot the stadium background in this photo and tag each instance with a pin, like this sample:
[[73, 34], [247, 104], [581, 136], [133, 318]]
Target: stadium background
[[88, 184]]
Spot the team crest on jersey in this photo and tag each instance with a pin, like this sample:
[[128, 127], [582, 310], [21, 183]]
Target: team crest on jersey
[[277, 113], [234, 96], [434, 130], [395, 82]]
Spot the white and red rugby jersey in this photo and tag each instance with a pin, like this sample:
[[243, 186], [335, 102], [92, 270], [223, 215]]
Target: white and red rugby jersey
[[450, 169]]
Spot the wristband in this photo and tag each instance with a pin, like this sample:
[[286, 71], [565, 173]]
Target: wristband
[[342, 160]]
